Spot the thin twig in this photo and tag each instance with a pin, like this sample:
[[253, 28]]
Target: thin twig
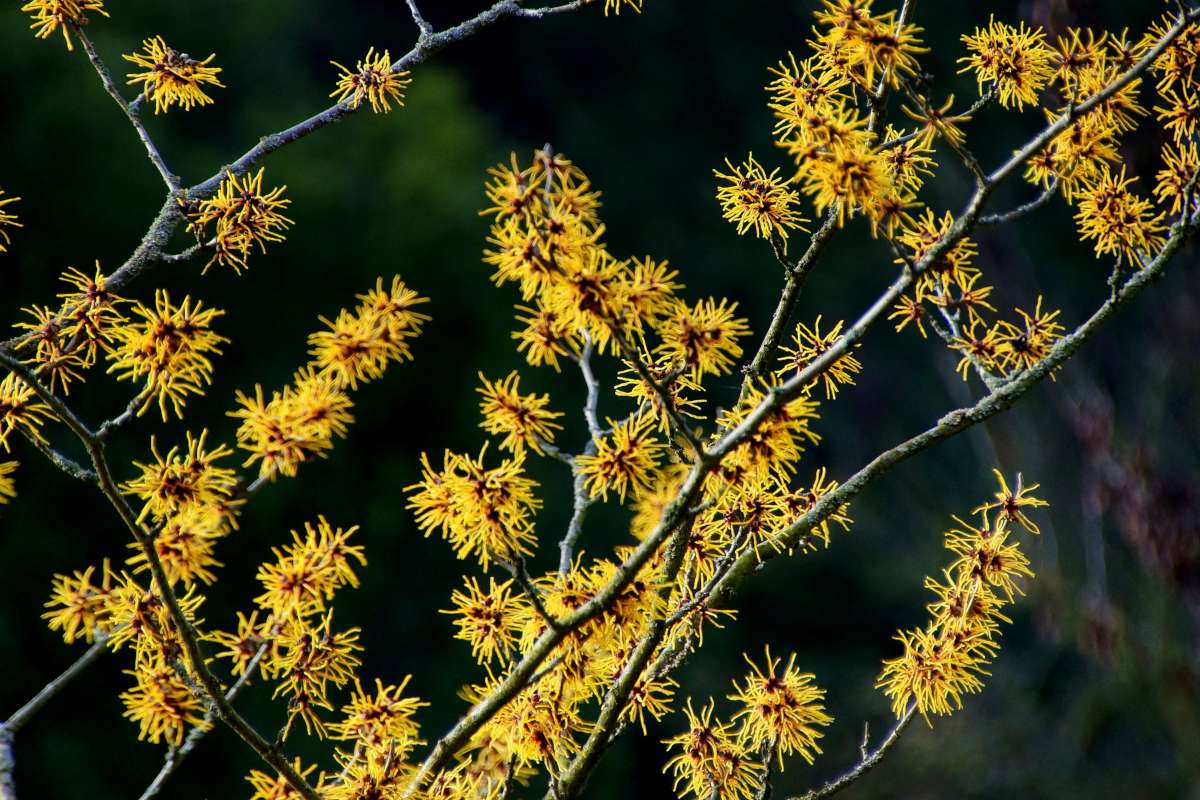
[[51, 689], [132, 110], [520, 572], [8, 730], [867, 761], [1033, 205]]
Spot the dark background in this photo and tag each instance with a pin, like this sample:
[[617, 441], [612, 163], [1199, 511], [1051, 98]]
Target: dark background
[[1095, 692]]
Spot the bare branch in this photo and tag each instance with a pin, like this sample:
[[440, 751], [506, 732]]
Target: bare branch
[[8, 730], [593, 387], [1033, 205], [867, 762], [424, 27], [132, 110]]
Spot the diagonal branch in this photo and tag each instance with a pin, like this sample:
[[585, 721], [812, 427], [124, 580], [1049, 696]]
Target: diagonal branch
[[868, 762], [132, 110]]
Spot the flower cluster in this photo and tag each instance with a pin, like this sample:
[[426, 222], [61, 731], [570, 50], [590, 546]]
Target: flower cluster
[[20, 411], [7, 220], [126, 612], [299, 422], [169, 77], [168, 348], [780, 713], [67, 340], [242, 215], [713, 473], [52, 15], [373, 80], [947, 658]]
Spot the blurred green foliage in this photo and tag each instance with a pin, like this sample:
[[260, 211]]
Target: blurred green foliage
[[1096, 692]]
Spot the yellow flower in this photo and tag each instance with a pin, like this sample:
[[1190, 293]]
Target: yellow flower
[[78, 606], [754, 200], [651, 697], [523, 419], [711, 762], [908, 309], [1181, 114], [647, 290], [1122, 223], [702, 338], [67, 340], [631, 384], [780, 710], [139, 617], [801, 91], [373, 79], [933, 673], [488, 621], [908, 161], [982, 345], [295, 425], [8, 487], [1011, 503], [615, 6], [385, 719], [1016, 61], [19, 410], [169, 348], [50, 15], [358, 346], [7, 220], [810, 344], [310, 658], [244, 216], [545, 336], [805, 499], [277, 788], [952, 267], [479, 511], [309, 571], [242, 647], [170, 77], [1076, 54], [1026, 344], [625, 460], [985, 555], [183, 480], [854, 177], [89, 312], [1171, 182], [185, 544], [776, 444]]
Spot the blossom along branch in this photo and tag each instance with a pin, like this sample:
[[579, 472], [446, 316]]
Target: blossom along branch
[[955, 422], [797, 273], [189, 638], [961, 419], [176, 755], [950, 425], [664, 543], [152, 248]]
